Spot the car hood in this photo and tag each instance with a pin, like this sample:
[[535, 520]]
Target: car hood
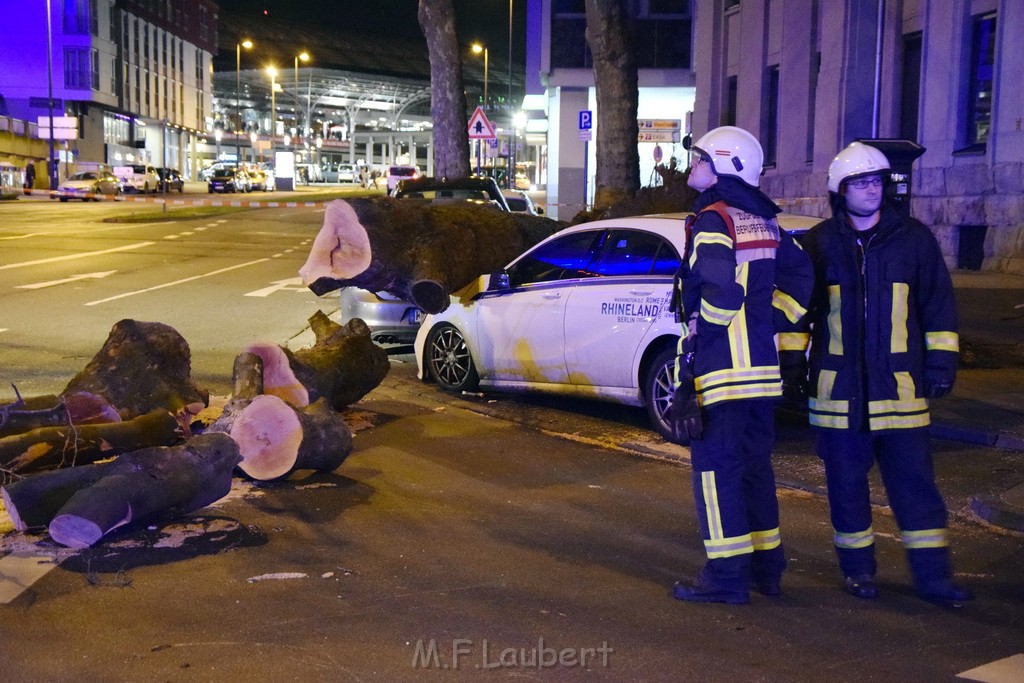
[[77, 184]]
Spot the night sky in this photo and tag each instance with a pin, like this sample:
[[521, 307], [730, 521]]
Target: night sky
[[485, 20]]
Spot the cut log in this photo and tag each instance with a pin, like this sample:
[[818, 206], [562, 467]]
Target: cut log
[[65, 446], [247, 383], [141, 367], [77, 408], [276, 439], [146, 486], [342, 366], [33, 502], [418, 252]]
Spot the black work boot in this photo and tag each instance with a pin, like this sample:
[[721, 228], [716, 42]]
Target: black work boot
[[944, 593], [862, 586], [704, 593], [770, 586]]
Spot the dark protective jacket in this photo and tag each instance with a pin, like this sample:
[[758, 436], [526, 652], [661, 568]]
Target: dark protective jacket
[[883, 324], [742, 280]]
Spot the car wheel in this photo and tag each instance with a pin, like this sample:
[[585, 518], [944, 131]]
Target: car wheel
[[63, 199], [658, 390], [449, 361]]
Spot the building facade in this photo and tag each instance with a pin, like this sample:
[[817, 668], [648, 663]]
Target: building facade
[[810, 76], [560, 85], [135, 73]]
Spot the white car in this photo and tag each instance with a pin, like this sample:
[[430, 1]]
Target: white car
[[584, 312], [520, 202], [88, 185], [138, 178]]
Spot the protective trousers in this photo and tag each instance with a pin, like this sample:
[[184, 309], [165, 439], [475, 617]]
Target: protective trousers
[[734, 487], [905, 463]]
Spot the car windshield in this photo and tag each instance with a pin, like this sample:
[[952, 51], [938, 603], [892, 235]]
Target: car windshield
[[517, 204], [224, 172], [139, 169], [85, 175]]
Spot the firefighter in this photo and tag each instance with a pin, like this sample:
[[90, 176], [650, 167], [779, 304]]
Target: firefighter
[[742, 279], [883, 341]]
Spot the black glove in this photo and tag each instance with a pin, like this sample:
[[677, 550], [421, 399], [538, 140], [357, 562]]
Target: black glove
[[684, 414], [793, 367], [937, 382]]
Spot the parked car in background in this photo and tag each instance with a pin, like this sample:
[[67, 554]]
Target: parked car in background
[[228, 180], [585, 312], [170, 180], [138, 178], [396, 174], [476, 188], [268, 171], [88, 185], [520, 202], [258, 179]]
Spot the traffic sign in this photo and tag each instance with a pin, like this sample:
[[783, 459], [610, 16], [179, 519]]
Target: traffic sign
[[658, 124], [658, 136], [480, 128], [586, 135], [586, 119]]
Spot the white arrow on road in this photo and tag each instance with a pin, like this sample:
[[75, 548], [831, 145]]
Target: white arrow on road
[[290, 285], [73, 278]]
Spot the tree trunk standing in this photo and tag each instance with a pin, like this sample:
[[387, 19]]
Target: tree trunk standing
[[447, 95], [610, 37]]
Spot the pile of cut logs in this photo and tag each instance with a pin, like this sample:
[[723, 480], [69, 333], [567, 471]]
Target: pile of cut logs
[[120, 444]]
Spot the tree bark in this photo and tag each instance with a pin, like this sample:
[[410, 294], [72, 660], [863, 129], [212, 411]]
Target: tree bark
[[247, 383], [72, 445], [77, 408], [610, 37], [141, 487], [447, 95], [143, 366], [276, 439], [420, 253]]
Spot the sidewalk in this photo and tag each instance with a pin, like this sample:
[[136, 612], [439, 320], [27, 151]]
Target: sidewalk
[[986, 405]]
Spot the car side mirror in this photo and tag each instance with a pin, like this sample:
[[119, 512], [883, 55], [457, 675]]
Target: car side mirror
[[498, 280]]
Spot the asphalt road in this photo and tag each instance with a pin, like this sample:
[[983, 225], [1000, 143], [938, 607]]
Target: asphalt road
[[465, 537], [222, 282]]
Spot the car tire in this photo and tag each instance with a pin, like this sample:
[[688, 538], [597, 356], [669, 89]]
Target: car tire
[[63, 199], [658, 390], [448, 360]]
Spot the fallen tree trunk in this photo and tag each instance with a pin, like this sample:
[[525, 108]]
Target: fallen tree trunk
[[276, 439], [148, 485], [420, 253], [141, 367], [78, 408], [70, 445], [247, 384], [342, 366]]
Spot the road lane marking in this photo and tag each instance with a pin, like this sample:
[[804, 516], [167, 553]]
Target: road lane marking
[[176, 282], [290, 285], [71, 257], [1008, 670], [18, 571], [73, 278]]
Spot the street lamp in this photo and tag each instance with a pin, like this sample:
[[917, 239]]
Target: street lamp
[[247, 44], [477, 49], [273, 105], [302, 56]]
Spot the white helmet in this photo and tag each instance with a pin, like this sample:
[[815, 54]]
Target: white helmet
[[856, 160], [732, 151]]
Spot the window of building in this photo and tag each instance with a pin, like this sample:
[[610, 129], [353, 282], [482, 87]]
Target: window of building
[[670, 7], [94, 18], [77, 65], [770, 134], [910, 86], [663, 43], [563, 7], [204, 29], [731, 92], [812, 93], [979, 93], [76, 16]]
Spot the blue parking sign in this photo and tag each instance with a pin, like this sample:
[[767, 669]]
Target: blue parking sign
[[586, 119]]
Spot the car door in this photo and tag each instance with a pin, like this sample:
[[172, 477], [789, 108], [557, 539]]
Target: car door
[[521, 329], [607, 317]]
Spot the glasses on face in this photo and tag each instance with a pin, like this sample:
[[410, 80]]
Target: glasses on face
[[696, 158], [865, 183]]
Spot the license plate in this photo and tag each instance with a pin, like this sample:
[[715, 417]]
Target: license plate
[[414, 316]]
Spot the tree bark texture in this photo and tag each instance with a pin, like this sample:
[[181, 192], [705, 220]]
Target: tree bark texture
[[276, 439], [447, 95], [420, 253], [143, 366], [247, 384], [72, 445], [610, 35], [76, 408], [342, 368], [152, 484]]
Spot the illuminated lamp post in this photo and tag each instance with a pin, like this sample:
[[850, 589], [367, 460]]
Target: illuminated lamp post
[[304, 57], [272, 71], [477, 49], [247, 44]]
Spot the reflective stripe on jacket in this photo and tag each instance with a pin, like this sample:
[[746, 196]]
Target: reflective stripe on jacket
[[881, 313], [743, 279]]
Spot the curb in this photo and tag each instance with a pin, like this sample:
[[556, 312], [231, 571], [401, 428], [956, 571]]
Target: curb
[[1004, 510], [982, 437]]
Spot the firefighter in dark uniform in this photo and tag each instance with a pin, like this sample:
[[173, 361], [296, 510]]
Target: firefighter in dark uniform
[[884, 341], [742, 279]]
